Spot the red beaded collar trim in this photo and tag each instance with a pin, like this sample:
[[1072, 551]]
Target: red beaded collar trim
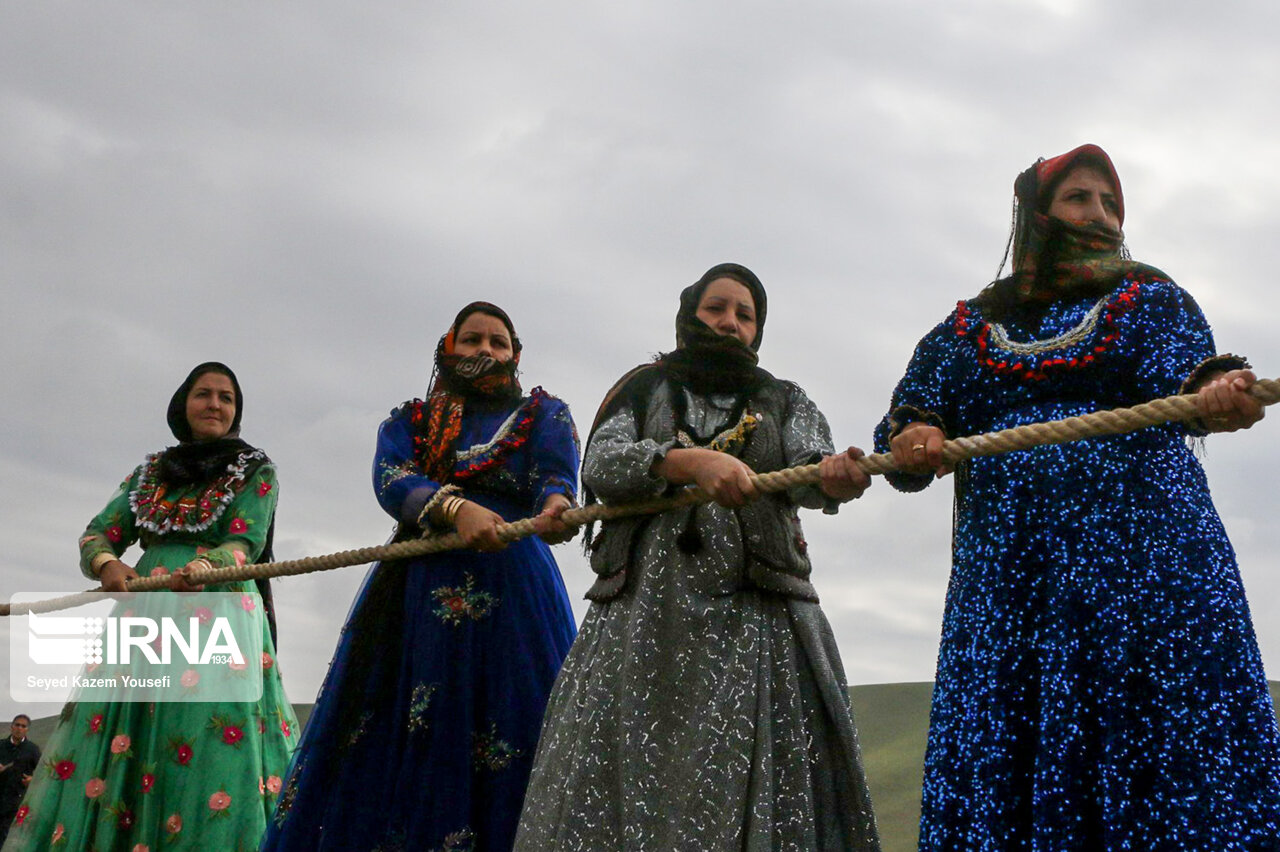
[[1031, 369]]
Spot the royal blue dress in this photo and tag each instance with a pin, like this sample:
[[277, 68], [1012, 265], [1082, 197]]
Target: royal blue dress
[[1099, 684], [424, 732]]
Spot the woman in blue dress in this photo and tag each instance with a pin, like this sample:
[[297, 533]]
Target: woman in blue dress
[[424, 731], [1099, 684]]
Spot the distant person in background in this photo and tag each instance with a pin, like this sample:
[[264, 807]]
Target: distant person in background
[[425, 728], [19, 757], [1099, 684], [195, 773]]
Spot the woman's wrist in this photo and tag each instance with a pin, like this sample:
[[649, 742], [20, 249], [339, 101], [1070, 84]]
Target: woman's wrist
[[680, 464], [101, 561], [556, 499], [905, 416], [446, 511]]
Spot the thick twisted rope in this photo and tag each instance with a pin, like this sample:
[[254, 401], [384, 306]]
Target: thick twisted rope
[[1114, 422]]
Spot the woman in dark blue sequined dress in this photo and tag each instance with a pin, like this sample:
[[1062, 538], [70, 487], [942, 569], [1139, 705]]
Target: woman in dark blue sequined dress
[[424, 732], [1099, 684]]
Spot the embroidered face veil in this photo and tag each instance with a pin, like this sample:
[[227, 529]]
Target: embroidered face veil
[[458, 379], [476, 375], [1033, 230], [1055, 258]]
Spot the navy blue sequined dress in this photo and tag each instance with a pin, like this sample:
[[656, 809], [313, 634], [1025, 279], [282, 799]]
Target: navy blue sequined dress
[[424, 731], [1099, 684]]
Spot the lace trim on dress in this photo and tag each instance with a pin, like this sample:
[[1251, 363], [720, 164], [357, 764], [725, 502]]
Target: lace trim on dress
[[503, 431], [194, 512], [1022, 360], [510, 437], [1000, 337]]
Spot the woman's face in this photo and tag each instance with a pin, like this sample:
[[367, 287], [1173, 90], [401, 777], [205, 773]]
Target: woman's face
[[727, 306], [211, 406], [483, 334], [1086, 195]]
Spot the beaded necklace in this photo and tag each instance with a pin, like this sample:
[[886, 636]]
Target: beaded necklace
[[193, 512], [993, 340]]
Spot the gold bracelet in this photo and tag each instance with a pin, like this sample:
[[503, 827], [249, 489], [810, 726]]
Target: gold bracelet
[[442, 510], [99, 562], [202, 561], [452, 505]]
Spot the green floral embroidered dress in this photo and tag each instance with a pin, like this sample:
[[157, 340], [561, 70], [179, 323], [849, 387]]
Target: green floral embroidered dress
[[144, 777]]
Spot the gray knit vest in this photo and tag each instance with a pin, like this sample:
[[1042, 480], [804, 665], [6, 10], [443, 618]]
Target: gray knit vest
[[773, 541]]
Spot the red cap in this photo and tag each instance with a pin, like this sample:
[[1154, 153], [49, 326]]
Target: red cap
[[1048, 172]]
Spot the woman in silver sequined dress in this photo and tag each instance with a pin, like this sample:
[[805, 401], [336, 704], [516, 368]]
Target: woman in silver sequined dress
[[704, 705]]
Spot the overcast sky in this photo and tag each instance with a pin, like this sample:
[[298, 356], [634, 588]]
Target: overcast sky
[[310, 190]]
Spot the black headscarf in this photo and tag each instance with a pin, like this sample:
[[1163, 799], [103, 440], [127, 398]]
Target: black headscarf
[[704, 361], [692, 295], [193, 462], [477, 377]]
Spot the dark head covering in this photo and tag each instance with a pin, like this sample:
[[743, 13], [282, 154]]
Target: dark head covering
[[1035, 186], [1054, 259], [177, 417], [706, 361], [481, 307], [475, 376], [456, 381], [193, 462], [691, 296], [703, 362]]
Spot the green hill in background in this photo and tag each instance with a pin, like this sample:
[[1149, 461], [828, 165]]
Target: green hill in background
[[893, 724], [893, 721]]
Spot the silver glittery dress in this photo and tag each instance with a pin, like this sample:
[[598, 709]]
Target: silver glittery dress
[[697, 710]]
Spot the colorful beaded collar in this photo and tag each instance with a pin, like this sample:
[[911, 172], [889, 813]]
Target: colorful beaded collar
[[1036, 360], [510, 437], [190, 513]]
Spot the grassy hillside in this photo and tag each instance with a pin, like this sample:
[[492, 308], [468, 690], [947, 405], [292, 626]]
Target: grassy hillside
[[893, 720]]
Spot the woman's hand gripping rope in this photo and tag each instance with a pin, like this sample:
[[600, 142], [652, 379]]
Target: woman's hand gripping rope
[[1173, 408]]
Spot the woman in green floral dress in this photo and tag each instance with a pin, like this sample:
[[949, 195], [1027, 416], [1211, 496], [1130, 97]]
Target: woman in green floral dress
[[192, 773]]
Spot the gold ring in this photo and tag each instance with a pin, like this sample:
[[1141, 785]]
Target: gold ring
[[915, 447]]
